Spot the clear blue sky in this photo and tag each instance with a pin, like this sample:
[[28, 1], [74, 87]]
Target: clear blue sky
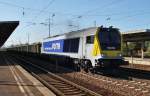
[[123, 14]]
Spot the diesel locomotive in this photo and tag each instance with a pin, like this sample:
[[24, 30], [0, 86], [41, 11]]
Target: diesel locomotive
[[88, 48]]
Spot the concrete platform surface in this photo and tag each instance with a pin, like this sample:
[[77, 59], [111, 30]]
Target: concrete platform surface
[[141, 61], [15, 81]]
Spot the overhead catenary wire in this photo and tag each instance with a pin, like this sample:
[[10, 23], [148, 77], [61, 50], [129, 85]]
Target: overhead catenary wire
[[104, 6], [133, 15], [41, 11], [95, 9], [50, 2], [32, 9], [115, 16], [87, 15]]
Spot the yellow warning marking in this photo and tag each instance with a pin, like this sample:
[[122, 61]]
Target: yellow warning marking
[[96, 46]]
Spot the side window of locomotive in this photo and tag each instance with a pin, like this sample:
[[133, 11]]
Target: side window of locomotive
[[74, 45], [90, 39], [71, 45], [66, 45]]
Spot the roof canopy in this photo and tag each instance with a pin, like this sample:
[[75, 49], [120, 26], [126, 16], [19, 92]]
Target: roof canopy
[[6, 28], [136, 35]]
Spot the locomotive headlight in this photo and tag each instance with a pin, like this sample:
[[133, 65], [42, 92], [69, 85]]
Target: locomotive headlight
[[103, 55], [120, 54]]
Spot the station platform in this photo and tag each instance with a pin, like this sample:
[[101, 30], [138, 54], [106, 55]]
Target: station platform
[[15, 81], [139, 61]]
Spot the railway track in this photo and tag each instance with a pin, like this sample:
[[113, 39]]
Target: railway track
[[57, 84], [134, 87], [123, 86], [126, 85]]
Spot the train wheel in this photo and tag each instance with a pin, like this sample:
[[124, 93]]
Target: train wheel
[[86, 70], [76, 65], [82, 70], [92, 70], [77, 68], [85, 66]]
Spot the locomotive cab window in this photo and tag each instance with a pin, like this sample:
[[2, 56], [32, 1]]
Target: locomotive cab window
[[110, 39], [90, 39]]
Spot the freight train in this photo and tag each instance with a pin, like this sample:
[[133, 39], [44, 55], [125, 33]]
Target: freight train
[[88, 48], [26, 48]]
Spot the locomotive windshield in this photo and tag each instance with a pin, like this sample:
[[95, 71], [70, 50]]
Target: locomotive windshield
[[109, 39]]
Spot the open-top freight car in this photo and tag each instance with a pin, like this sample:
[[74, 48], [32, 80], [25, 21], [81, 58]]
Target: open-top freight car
[[26, 48]]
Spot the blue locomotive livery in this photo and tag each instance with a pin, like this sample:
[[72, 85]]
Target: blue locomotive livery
[[53, 46]]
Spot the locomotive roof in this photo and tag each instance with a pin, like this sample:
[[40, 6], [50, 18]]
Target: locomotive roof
[[82, 30]]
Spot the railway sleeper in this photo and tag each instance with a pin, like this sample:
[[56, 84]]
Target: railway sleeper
[[78, 93], [57, 83], [72, 90], [61, 86], [67, 88]]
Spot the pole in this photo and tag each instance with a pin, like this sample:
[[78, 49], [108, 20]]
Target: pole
[[56, 67], [49, 26], [95, 23], [28, 43], [50, 20], [142, 49]]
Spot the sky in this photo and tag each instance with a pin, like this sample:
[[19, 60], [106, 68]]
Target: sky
[[69, 15]]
